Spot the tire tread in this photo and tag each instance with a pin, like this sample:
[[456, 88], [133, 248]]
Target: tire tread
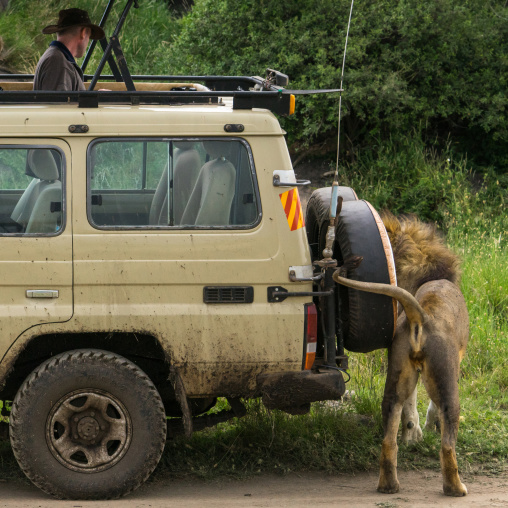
[[45, 369]]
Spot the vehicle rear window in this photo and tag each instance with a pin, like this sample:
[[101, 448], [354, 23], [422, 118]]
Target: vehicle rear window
[[161, 183]]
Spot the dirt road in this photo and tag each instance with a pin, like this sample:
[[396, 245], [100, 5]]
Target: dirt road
[[418, 489]]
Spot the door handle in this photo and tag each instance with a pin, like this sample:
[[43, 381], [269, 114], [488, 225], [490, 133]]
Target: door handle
[[42, 293]]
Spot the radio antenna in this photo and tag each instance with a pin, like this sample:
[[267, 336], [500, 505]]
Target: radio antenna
[[330, 235], [336, 175]]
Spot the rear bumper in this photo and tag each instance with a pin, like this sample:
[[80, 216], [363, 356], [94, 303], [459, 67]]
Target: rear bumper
[[294, 391]]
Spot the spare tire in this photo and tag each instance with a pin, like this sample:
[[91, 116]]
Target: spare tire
[[317, 217], [367, 320]]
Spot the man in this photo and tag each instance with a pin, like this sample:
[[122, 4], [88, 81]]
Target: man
[[57, 69]]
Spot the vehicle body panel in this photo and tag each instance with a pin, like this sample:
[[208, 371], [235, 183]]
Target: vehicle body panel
[[151, 280]]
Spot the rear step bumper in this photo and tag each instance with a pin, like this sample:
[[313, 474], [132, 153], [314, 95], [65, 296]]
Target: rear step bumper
[[294, 391]]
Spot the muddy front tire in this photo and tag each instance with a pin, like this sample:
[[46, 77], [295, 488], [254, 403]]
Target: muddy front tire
[[87, 424]]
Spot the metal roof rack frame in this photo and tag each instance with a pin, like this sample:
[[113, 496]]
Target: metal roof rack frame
[[277, 102]]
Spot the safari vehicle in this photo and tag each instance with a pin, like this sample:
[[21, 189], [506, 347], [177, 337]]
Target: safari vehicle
[[153, 257]]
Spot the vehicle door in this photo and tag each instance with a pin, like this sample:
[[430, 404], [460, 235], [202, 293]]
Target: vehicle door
[[35, 236]]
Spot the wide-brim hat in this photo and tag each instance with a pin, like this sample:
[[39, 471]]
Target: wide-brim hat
[[68, 18]]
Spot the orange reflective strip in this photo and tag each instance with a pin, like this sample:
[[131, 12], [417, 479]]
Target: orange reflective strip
[[293, 209], [283, 199], [309, 360], [298, 218]]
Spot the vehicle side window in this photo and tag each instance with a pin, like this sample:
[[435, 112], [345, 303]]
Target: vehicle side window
[[171, 183], [31, 200]]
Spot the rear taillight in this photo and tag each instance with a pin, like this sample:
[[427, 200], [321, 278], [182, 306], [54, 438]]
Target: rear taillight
[[310, 337]]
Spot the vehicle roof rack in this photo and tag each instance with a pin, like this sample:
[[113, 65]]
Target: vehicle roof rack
[[246, 92], [277, 102]]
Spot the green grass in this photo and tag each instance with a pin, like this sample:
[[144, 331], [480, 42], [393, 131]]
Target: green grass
[[328, 439], [149, 30]]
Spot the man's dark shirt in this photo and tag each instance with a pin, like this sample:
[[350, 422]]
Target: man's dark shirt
[[57, 70]]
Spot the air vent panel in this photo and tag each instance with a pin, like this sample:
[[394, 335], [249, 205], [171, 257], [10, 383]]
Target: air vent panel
[[228, 294]]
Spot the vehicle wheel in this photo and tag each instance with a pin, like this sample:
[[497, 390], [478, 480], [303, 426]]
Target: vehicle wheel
[[87, 424], [317, 216], [368, 320]]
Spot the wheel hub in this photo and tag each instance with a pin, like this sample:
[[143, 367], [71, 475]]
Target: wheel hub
[[88, 430]]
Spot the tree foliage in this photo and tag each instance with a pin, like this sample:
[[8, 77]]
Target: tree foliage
[[434, 70], [437, 67]]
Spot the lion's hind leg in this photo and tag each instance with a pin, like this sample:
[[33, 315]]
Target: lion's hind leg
[[440, 379], [400, 384], [432, 422]]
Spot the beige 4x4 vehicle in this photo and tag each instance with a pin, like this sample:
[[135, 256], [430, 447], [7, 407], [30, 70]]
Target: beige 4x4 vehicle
[[153, 257]]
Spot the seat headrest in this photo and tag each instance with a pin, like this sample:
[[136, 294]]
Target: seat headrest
[[184, 145], [218, 149], [42, 164]]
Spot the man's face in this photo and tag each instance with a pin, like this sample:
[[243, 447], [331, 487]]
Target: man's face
[[84, 39]]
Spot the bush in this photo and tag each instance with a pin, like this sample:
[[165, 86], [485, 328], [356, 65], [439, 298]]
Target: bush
[[439, 66], [437, 70]]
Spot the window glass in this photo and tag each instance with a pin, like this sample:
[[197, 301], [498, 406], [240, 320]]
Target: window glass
[[117, 166], [156, 158], [164, 183], [30, 191]]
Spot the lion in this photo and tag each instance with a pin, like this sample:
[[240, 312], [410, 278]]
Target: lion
[[430, 341]]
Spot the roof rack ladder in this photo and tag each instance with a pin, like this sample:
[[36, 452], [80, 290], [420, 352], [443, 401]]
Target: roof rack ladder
[[114, 45], [104, 43]]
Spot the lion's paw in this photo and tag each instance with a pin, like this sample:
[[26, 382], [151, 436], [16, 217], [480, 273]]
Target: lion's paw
[[459, 490], [388, 488]]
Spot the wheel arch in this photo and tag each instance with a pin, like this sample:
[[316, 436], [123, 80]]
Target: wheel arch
[[142, 349]]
